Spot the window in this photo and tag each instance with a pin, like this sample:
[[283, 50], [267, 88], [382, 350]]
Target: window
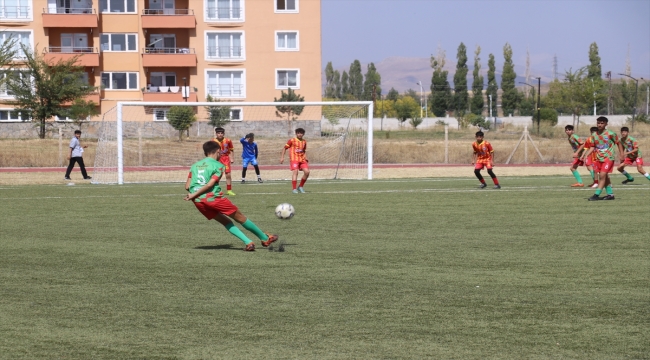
[[160, 114], [286, 6], [16, 9], [12, 115], [226, 84], [69, 6], [225, 46], [161, 44], [118, 42], [117, 6], [224, 10], [162, 79], [19, 37], [287, 79], [4, 91], [236, 115], [286, 41], [120, 80]]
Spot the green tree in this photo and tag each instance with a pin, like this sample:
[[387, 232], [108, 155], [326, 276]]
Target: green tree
[[492, 86], [440, 97], [406, 108], [181, 118], [290, 111], [337, 84], [42, 89], [595, 75], [345, 86], [372, 77], [218, 116], [356, 80], [392, 95], [477, 102], [330, 87], [460, 99], [81, 111], [574, 94], [509, 94]]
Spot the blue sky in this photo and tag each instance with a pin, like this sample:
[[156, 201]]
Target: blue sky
[[373, 30]]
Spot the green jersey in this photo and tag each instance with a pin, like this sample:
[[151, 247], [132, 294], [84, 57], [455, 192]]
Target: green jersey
[[605, 145], [629, 143], [575, 142], [202, 172]]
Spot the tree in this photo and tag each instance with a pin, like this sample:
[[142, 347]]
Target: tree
[[477, 85], [392, 95], [81, 111], [573, 94], [290, 111], [492, 84], [218, 116], [356, 80], [440, 90], [43, 89], [372, 77], [7, 54], [337, 84], [509, 93], [460, 98], [595, 75], [345, 86], [406, 108], [330, 87], [181, 118]]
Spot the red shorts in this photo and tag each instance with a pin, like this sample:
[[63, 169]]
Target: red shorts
[[638, 161], [589, 161], [226, 161], [577, 162], [299, 165], [210, 209], [604, 166], [483, 163]]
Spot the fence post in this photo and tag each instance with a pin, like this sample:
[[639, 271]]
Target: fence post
[[525, 145], [139, 146], [60, 147]]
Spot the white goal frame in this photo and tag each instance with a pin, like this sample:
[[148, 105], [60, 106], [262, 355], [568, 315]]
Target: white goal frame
[[121, 104]]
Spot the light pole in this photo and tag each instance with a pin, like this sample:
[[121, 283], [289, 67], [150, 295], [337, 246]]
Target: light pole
[[495, 121], [187, 91], [636, 89], [421, 96], [539, 85]]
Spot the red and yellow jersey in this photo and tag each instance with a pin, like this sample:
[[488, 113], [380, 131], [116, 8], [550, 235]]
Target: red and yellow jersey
[[589, 143], [483, 151], [226, 147], [297, 149]]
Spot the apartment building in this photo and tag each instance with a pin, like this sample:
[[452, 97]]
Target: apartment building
[[175, 50]]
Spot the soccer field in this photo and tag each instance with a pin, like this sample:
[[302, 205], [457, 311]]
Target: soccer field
[[381, 269]]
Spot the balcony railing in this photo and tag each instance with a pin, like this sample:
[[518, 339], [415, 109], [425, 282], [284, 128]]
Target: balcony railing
[[225, 52], [167, 12], [70, 49], [223, 14], [171, 50], [15, 12], [226, 90], [64, 10]]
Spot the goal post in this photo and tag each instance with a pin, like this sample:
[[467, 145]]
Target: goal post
[[138, 144]]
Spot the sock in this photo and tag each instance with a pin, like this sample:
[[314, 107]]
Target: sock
[[229, 187], [302, 182], [250, 226], [609, 190], [482, 181], [593, 176], [576, 174], [243, 173], [259, 176], [496, 181], [493, 176], [647, 176], [293, 183], [240, 235], [257, 170], [627, 175], [598, 192]]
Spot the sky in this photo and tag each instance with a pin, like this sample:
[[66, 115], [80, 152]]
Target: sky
[[374, 30]]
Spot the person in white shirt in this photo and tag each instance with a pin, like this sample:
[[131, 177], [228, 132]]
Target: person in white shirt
[[76, 156]]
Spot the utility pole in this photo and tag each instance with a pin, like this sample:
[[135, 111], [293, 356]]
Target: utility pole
[[609, 98], [421, 96], [539, 90], [495, 121], [636, 91]]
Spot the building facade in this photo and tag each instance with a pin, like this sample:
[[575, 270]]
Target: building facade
[[175, 50]]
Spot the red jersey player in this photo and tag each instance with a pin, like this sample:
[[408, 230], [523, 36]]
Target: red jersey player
[[224, 155], [297, 159], [483, 155]]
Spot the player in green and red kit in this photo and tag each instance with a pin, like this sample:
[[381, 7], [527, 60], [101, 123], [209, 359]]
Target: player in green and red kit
[[297, 159], [577, 147], [204, 190], [589, 157], [632, 155], [483, 157], [605, 143], [227, 149]]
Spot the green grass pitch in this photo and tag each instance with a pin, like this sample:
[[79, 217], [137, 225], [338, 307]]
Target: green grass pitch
[[382, 269]]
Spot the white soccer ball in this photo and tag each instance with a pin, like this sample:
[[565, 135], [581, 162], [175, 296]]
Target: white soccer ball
[[285, 211]]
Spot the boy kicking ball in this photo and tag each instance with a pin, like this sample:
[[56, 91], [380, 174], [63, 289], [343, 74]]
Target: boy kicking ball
[[204, 190], [483, 155], [632, 156]]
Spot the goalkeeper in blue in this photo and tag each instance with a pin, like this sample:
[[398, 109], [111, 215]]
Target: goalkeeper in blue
[[249, 156]]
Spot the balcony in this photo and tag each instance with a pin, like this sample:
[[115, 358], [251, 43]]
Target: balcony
[[224, 14], [168, 57], [225, 53], [167, 93], [94, 97], [86, 56], [69, 18], [168, 19], [226, 91]]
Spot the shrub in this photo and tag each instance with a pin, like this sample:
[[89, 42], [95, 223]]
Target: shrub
[[416, 121], [478, 120], [547, 116], [181, 118]]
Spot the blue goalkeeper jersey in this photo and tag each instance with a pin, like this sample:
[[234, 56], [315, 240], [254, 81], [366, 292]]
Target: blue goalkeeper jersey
[[250, 149]]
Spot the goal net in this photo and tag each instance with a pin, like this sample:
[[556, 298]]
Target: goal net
[[137, 142]]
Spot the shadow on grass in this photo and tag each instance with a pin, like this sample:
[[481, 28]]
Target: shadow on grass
[[218, 247]]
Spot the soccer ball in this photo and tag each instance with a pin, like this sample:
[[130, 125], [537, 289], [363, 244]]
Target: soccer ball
[[284, 211]]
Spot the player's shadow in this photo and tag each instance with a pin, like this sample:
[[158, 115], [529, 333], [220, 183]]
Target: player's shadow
[[218, 247]]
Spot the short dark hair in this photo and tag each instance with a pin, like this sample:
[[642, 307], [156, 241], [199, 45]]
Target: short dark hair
[[77, 131], [568, 127], [624, 128], [300, 131], [219, 129], [479, 133], [593, 129], [211, 147], [602, 118]]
